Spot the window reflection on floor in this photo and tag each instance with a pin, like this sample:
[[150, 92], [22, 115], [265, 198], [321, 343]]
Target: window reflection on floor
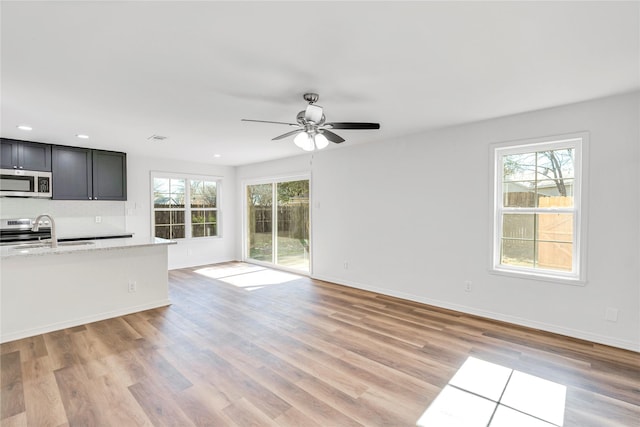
[[486, 394], [246, 276]]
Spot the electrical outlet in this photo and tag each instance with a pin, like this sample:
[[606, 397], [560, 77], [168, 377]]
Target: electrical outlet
[[467, 285], [98, 219], [611, 314], [133, 286], [346, 265]]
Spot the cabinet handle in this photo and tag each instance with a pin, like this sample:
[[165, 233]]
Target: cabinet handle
[[15, 167], [89, 198], [95, 198], [20, 167]]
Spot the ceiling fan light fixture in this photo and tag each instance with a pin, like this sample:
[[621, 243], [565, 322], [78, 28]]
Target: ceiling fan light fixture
[[304, 141], [321, 141]]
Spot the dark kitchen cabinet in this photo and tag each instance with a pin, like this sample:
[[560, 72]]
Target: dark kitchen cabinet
[[25, 155], [85, 174], [71, 173], [109, 175]]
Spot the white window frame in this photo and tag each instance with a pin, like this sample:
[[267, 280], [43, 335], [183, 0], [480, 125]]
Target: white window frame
[[577, 141], [187, 206]]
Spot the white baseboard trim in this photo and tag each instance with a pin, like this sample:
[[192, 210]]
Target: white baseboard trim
[[548, 327], [80, 321]]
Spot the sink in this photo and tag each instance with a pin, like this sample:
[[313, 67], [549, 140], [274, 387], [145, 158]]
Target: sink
[[39, 245]]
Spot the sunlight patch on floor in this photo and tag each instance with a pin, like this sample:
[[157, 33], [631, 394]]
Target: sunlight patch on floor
[[247, 276], [485, 394]]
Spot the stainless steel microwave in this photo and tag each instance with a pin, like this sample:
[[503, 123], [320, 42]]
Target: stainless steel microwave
[[22, 183]]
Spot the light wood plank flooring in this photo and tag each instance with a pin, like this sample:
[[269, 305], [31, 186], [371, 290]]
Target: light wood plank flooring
[[228, 352]]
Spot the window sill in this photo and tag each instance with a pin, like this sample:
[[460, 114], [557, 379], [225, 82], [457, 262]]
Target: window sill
[[563, 280]]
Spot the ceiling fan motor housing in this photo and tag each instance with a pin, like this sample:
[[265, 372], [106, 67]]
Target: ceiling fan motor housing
[[313, 113]]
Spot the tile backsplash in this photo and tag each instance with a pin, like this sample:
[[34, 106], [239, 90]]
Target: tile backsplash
[[72, 217]]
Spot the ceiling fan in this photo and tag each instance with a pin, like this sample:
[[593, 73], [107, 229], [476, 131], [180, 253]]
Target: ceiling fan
[[313, 131]]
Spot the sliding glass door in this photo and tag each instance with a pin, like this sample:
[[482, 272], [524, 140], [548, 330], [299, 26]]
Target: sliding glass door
[[278, 223], [260, 228], [292, 219]]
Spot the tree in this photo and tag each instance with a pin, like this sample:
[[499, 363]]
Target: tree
[[555, 166], [555, 172], [260, 195], [292, 189]]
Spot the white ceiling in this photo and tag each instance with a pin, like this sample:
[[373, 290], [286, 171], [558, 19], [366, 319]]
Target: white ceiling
[[123, 71]]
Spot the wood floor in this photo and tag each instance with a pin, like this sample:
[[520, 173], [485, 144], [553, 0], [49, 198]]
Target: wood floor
[[298, 353]]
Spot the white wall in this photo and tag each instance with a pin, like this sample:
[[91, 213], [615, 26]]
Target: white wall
[[411, 217], [191, 252]]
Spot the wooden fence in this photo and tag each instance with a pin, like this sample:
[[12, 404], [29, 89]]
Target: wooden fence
[[555, 235]]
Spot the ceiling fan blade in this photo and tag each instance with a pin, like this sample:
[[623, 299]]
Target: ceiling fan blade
[[269, 121], [293, 132], [353, 125], [332, 136]]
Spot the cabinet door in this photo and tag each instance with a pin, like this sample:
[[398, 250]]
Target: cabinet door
[[71, 173], [109, 175], [25, 155], [9, 153], [34, 157]]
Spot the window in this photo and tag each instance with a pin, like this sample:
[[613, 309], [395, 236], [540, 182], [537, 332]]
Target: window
[[184, 206], [537, 208]]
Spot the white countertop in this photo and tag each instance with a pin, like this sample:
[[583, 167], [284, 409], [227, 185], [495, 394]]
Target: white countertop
[[24, 249]]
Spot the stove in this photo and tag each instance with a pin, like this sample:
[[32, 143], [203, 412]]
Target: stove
[[18, 230]]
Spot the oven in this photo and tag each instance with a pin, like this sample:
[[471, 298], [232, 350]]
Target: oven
[[19, 230]]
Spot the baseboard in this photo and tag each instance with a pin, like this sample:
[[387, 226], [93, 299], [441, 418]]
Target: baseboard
[[81, 321], [548, 327]]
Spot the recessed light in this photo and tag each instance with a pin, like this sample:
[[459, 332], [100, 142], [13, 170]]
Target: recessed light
[[82, 136], [24, 127], [217, 155]]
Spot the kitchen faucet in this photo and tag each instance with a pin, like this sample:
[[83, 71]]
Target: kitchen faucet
[[36, 225]]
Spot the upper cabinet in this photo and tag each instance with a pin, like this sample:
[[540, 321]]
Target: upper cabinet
[[84, 174], [71, 173], [25, 155], [109, 175]]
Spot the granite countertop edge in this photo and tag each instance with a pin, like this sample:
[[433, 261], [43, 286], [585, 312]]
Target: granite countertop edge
[[101, 244]]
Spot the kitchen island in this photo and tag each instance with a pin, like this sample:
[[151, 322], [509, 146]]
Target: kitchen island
[[43, 289]]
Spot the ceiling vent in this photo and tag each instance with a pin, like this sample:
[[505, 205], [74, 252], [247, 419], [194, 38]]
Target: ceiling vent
[[157, 138]]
